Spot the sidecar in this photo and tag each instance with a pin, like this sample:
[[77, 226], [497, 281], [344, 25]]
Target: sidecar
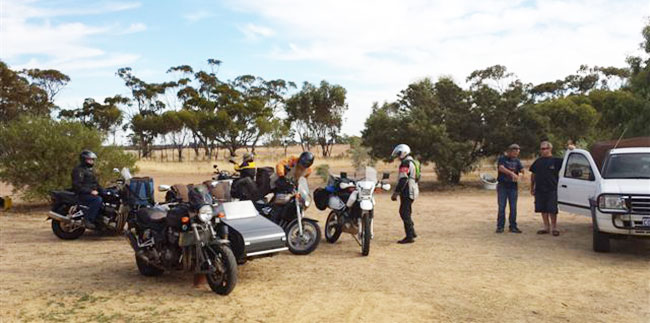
[[250, 233]]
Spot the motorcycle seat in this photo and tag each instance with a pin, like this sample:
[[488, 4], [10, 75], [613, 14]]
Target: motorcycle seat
[[151, 216], [65, 196]]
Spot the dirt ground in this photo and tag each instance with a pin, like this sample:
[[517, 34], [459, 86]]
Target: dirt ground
[[458, 270]]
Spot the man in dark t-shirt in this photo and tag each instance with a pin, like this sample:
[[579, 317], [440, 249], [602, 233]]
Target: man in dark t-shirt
[[543, 185], [507, 190]]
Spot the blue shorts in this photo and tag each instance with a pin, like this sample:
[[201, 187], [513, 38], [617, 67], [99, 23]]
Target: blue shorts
[[546, 202]]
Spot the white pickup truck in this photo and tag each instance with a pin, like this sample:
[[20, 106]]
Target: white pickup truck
[[617, 196]]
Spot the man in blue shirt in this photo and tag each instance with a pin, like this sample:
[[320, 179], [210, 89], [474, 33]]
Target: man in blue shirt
[[509, 169]]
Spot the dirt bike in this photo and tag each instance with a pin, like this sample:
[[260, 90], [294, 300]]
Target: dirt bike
[[286, 208], [352, 203], [186, 236], [67, 214]]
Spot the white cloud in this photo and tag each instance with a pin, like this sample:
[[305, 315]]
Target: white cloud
[[28, 30], [134, 28], [197, 15], [253, 31], [385, 44]]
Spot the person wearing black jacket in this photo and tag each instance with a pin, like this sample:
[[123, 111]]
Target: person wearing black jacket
[[84, 183]]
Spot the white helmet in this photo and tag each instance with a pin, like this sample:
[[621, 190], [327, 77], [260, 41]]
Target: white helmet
[[401, 151]]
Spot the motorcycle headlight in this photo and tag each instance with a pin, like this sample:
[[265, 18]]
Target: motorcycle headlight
[[205, 213], [612, 202]]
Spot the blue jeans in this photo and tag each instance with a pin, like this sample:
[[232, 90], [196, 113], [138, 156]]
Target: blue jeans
[[507, 193], [94, 204]]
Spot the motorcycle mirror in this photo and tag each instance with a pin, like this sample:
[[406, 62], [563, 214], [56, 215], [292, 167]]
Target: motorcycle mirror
[[164, 188], [385, 187], [344, 175], [215, 166], [385, 176]]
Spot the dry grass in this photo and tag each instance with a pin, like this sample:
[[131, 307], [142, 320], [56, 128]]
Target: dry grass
[[457, 271]]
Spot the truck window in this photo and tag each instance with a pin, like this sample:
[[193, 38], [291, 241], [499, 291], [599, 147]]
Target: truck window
[[578, 168], [634, 165]]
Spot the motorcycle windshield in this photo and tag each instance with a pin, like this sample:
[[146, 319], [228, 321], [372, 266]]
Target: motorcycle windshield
[[303, 188], [371, 175], [126, 174], [200, 195]]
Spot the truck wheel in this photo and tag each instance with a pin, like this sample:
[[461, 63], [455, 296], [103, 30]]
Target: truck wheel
[[601, 241]]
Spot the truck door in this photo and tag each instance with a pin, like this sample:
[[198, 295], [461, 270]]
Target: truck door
[[577, 182]]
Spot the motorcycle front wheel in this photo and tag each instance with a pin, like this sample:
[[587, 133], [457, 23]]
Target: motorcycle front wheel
[[366, 222], [308, 242], [332, 227], [223, 280]]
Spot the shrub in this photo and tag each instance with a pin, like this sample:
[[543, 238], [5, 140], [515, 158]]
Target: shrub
[[323, 171], [37, 155]]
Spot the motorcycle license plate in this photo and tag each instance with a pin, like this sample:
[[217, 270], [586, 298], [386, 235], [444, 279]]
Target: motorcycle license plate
[[646, 222]]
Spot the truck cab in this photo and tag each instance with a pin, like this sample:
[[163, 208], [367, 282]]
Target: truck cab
[[616, 196]]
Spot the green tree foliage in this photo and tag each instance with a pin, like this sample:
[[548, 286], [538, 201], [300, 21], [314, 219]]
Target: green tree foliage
[[18, 96], [51, 81], [234, 114], [106, 117], [317, 114], [40, 153], [148, 99]]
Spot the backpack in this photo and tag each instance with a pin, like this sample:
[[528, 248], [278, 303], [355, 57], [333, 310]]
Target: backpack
[[141, 191], [418, 172]]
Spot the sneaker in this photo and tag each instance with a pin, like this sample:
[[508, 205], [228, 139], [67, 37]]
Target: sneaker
[[499, 230], [406, 240], [515, 230]]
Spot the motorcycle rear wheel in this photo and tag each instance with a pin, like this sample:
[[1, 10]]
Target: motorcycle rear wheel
[[332, 227], [222, 257], [367, 234], [63, 231]]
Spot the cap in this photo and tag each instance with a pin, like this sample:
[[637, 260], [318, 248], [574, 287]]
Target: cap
[[513, 146]]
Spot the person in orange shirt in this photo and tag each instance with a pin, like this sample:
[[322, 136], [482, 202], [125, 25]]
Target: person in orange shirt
[[291, 169]]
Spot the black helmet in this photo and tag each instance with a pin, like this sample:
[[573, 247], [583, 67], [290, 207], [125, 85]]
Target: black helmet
[[87, 154], [306, 159]]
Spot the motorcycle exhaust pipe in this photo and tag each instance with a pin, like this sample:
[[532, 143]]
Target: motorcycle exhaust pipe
[[132, 241], [59, 217]]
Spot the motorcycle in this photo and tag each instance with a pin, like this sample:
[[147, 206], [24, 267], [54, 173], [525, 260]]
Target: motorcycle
[[67, 214], [251, 235], [233, 186], [286, 208], [186, 236], [352, 203]]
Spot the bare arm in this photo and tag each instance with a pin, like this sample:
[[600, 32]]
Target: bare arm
[[504, 170], [532, 183]]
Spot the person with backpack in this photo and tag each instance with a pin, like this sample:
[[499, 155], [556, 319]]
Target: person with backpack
[[84, 183], [407, 189]]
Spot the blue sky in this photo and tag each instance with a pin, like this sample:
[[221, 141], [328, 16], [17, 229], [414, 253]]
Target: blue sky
[[372, 48]]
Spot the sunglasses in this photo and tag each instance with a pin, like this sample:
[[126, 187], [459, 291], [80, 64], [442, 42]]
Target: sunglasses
[[545, 148]]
